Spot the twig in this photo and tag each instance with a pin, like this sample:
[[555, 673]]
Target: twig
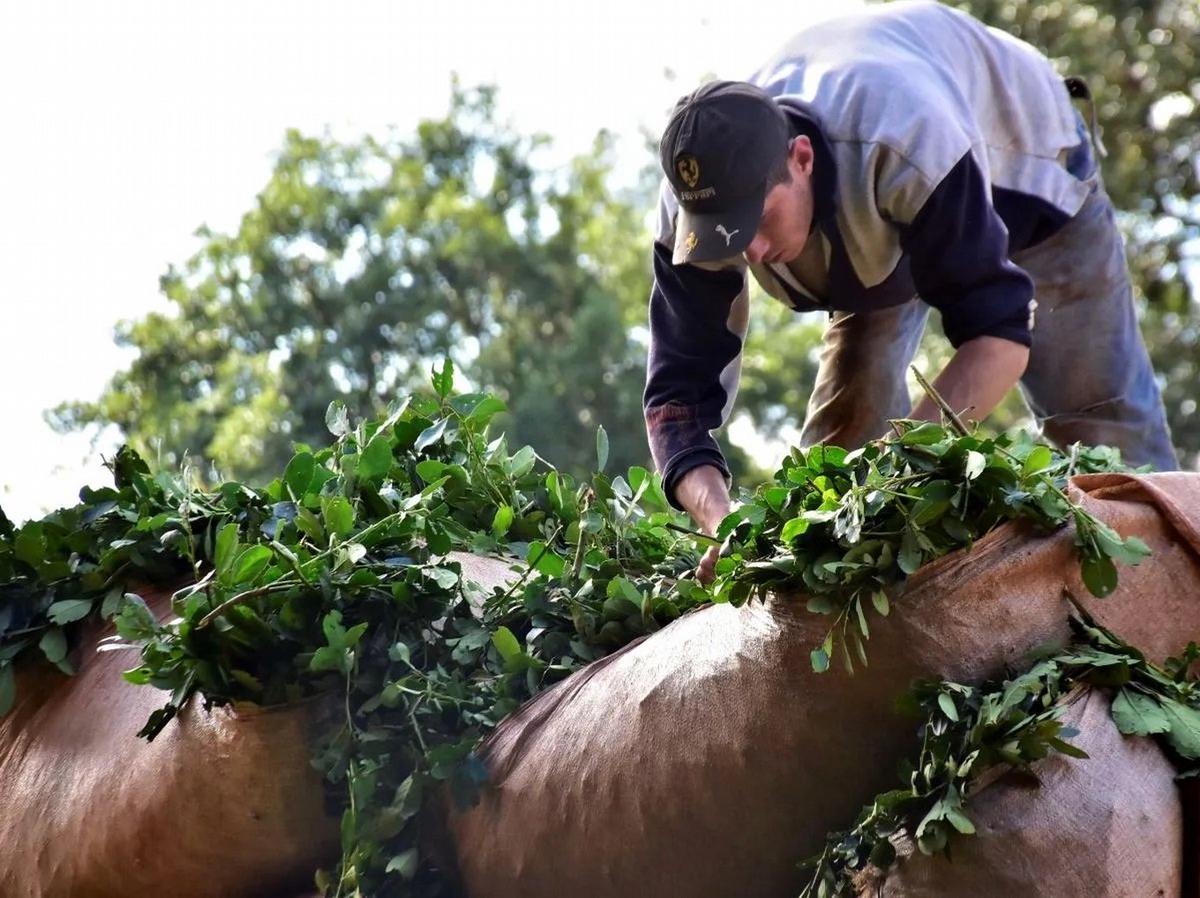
[[1073, 460], [529, 569], [246, 596], [694, 534], [949, 413]]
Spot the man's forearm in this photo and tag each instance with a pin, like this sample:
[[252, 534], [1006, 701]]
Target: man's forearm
[[704, 495], [979, 375]]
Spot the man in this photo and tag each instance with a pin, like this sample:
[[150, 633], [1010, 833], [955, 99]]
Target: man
[[882, 163]]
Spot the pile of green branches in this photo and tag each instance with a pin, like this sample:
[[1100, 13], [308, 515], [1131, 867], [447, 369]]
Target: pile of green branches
[[969, 730], [336, 579]]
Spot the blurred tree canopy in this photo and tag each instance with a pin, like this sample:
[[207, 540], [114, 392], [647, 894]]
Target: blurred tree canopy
[[362, 263]]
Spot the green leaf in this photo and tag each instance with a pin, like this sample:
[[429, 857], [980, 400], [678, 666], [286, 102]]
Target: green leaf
[[327, 658], [431, 434], [443, 381], [522, 462], [924, 435], [252, 562], [502, 521], [1037, 460], [226, 551], [1066, 748], [601, 448], [880, 600], [431, 470], [544, 560], [30, 545], [338, 515], [310, 526], [793, 528], [1136, 714], [1185, 729], [405, 864], [437, 538], [819, 605], [506, 644], [862, 619], [112, 603], [135, 621], [820, 660], [376, 459], [1127, 551], [53, 645], [1099, 575], [484, 410], [299, 473], [910, 555], [69, 610], [960, 821], [946, 703]]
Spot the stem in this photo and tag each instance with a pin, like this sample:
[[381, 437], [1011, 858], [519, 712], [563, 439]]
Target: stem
[[949, 413], [529, 569], [578, 562], [1073, 460], [694, 534], [277, 586]]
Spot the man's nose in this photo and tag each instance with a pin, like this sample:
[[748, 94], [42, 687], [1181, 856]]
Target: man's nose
[[757, 250]]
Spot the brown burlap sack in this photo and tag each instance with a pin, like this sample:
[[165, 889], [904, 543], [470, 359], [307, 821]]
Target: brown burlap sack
[[704, 761], [221, 803], [1106, 827]]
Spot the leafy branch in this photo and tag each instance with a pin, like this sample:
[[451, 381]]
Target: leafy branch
[[971, 730]]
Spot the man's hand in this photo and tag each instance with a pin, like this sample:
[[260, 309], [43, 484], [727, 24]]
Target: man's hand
[[703, 494], [978, 376]]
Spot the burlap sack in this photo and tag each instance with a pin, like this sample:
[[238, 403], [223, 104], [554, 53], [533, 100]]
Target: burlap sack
[[1106, 827], [219, 804], [704, 761]]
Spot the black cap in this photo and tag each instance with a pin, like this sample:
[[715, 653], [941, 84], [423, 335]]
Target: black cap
[[718, 150]]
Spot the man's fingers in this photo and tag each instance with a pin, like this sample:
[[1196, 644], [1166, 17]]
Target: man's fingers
[[707, 567]]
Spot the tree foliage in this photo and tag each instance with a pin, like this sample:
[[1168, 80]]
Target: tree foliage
[[361, 262]]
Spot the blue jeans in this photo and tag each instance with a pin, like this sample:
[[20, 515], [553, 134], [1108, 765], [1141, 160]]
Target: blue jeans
[[1089, 377]]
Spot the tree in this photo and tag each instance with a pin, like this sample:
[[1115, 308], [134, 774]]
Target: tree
[[361, 264]]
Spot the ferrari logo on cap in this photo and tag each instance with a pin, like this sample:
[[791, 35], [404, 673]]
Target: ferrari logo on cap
[[690, 243], [688, 168]]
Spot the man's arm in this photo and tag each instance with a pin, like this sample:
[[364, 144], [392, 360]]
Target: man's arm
[[698, 317], [958, 248], [704, 495], [981, 372], [697, 325]]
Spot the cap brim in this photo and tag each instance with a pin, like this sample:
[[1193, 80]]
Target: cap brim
[[711, 236]]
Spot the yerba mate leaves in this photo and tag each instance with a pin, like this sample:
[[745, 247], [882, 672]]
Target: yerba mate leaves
[[846, 529], [969, 730], [334, 579]]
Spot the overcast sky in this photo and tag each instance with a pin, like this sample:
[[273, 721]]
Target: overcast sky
[[127, 125]]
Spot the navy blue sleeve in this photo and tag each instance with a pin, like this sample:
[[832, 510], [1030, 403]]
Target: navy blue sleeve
[[691, 348], [958, 251]]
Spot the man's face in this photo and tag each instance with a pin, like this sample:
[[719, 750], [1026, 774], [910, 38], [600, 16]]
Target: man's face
[[787, 212]]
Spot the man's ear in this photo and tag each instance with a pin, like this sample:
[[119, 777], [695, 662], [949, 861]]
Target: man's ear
[[800, 153]]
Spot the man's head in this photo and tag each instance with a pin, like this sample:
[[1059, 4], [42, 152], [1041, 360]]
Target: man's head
[[742, 185]]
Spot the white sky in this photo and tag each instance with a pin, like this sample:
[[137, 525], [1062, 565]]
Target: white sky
[[126, 125]]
